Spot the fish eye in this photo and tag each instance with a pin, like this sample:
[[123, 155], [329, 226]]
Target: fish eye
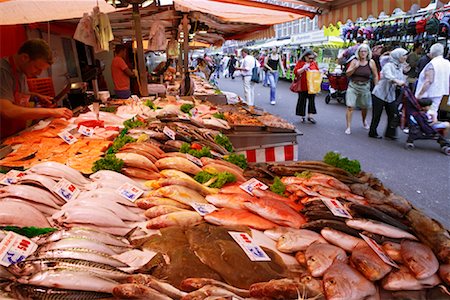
[[308, 278]]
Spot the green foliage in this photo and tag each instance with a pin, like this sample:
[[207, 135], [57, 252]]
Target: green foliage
[[204, 152], [223, 141], [109, 162], [186, 108], [304, 174], [335, 159], [278, 186], [150, 104], [219, 115], [133, 123], [119, 142], [237, 159], [217, 180], [110, 109]]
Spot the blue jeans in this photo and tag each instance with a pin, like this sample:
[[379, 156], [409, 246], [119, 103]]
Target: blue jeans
[[272, 78], [123, 94]]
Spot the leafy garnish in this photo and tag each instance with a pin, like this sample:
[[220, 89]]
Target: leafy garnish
[[110, 109], [133, 123], [119, 142], [237, 159], [335, 159], [29, 232], [150, 104], [304, 174], [186, 108], [216, 180], [224, 141], [278, 186], [219, 115], [109, 162], [194, 151]]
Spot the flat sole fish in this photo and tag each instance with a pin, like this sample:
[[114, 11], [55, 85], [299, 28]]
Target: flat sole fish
[[419, 258]]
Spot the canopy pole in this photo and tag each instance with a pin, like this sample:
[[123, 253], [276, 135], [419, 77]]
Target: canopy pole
[[142, 70], [187, 79]]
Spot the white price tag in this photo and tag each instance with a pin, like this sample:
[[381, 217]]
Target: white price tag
[[11, 177], [194, 159], [203, 208], [169, 132], [15, 248], [217, 154], [194, 112], [336, 208], [66, 190], [252, 184], [253, 251], [87, 131], [67, 137], [129, 191], [379, 251]]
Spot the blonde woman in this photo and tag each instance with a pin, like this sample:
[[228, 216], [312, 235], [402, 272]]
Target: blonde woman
[[360, 72]]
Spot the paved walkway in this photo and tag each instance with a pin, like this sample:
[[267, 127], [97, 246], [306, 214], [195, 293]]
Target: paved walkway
[[421, 175]]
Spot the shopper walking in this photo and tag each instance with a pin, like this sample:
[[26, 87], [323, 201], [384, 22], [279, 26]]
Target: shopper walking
[[434, 79], [360, 72], [232, 66], [305, 63], [412, 60], [384, 93], [246, 68], [272, 62]]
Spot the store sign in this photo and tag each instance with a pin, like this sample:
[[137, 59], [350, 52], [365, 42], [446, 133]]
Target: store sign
[[252, 184], [15, 248], [11, 177], [253, 251]]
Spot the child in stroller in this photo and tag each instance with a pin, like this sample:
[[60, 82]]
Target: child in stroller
[[420, 123]]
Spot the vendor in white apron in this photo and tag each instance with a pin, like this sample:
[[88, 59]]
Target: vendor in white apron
[[33, 57]]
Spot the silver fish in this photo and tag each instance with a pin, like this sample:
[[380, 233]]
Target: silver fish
[[298, 240], [80, 253], [379, 228], [30, 292], [71, 280], [340, 239], [320, 256], [80, 243], [419, 258], [31, 266]]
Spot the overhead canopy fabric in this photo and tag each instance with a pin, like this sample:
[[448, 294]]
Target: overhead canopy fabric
[[32, 11]]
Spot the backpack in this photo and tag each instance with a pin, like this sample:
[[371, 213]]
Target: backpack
[[420, 26], [432, 26], [411, 28], [444, 26]]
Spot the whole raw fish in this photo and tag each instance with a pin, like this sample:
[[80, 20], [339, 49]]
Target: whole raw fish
[[137, 291], [157, 284], [70, 279], [25, 291], [148, 202], [212, 291], [419, 258], [235, 201], [298, 240], [180, 218], [379, 228], [147, 155], [108, 193], [232, 188], [275, 211], [31, 193], [13, 213], [444, 273], [236, 217], [320, 256], [137, 161], [81, 253], [70, 243], [393, 250], [189, 183], [403, 279], [112, 180], [44, 209], [286, 288], [36, 179], [340, 239], [207, 160], [80, 214], [366, 261], [179, 193], [316, 179], [178, 163], [160, 210], [58, 170], [215, 168], [343, 282], [192, 284], [277, 232], [140, 173]]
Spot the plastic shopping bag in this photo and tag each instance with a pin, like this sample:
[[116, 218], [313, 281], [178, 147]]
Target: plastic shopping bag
[[313, 80]]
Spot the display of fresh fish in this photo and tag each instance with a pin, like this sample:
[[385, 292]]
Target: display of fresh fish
[[190, 183], [316, 179], [379, 228], [113, 180], [39, 180], [80, 253], [31, 193], [373, 213], [287, 288], [137, 161], [148, 202], [180, 218], [70, 243], [140, 173], [147, 155], [160, 210], [178, 163], [31, 292], [107, 193], [118, 231], [368, 263], [58, 170], [70, 279], [298, 240], [301, 258], [341, 282], [138, 291], [146, 147], [236, 217], [216, 168], [393, 251], [179, 193], [402, 279], [85, 233], [81, 215], [277, 232], [340, 239], [13, 213], [31, 266], [207, 160], [157, 284], [320, 256], [419, 258], [211, 291], [277, 212], [192, 284], [236, 201], [444, 273], [46, 210]]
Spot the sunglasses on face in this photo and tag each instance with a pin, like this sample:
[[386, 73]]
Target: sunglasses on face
[[311, 58]]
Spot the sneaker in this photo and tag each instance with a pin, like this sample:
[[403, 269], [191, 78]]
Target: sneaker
[[303, 119], [406, 130], [366, 126], [348, 131], [273, 102], [310, 119]]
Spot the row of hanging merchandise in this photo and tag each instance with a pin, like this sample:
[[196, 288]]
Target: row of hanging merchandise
[[420, 27]]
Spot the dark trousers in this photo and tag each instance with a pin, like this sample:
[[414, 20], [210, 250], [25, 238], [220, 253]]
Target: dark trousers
[[301, 104], [377, 110]]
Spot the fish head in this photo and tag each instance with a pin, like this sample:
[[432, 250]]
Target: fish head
[[23, 268], [316, 264], [337, 287], [313, 285]]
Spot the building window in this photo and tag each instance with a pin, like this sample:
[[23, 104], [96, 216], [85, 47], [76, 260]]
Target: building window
[[315, 23], [302, 25], [296, 26], [308, 24]]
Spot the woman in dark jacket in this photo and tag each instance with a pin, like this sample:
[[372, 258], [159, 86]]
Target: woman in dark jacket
[[232, 66]]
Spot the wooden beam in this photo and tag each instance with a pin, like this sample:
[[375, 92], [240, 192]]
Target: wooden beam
[[270, 7]]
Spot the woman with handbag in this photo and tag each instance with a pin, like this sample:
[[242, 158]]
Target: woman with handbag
[[306, 63], [271, 63]]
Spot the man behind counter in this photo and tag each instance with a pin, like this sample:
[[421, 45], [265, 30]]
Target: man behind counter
[[33, 57]]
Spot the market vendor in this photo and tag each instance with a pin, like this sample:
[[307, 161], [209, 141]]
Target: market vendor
[[33, 57]]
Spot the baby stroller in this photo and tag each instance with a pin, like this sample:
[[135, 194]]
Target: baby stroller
[[413, 117], [338, 86]]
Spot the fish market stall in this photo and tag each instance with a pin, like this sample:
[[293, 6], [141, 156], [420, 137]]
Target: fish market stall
[[154, 202]]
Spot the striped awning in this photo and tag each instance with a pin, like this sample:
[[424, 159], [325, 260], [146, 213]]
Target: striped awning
[[365, 8]]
